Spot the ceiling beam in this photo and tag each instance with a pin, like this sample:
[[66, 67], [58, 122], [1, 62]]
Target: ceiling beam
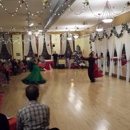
[[57, 10]]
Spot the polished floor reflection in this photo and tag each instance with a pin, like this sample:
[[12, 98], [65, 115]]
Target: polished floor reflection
[[75, 103]]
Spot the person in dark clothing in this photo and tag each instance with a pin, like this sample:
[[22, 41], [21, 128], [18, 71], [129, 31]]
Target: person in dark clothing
[[68, 57], [4, 124], [108, 58], [14, 67], [55, 56], [91, 61], [25, 63]]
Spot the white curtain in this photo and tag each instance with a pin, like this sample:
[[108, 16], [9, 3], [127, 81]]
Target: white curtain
[[8, 44], [26, 44], [127, 48], [48, 43], [98, 50], [119, 47], [93, 47], [64, 42], [1, 39], [111, 53], [33, 43], [40, 44], [71, 43], [104, 51]]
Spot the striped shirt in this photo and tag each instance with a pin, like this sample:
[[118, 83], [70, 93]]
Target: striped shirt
[[34, 116]]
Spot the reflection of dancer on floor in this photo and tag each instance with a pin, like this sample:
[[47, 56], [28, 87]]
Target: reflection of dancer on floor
[[35, 76], [93, 70]]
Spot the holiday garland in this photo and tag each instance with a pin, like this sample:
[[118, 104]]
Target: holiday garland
[[113, 31]]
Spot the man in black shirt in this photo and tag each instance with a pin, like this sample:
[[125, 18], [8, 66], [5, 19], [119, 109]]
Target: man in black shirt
[[55, 56], [91, 61]]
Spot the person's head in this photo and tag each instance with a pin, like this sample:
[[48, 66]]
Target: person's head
[[33, 55], [68, 52], [32, 92], [24, 58], [91, 54], [55, 52]]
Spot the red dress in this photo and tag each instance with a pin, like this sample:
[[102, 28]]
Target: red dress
[[96, 72]]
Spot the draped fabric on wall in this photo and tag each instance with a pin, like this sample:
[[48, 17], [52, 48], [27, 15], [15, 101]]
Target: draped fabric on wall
[[119, 47], [40, 44], [26, 44], [33, 43], [64, 42], [126, 38], [8, 44], [93, 47], [1, 37], [48, 43], [111, 53], [98, 50], [71, 43], [104, 51]]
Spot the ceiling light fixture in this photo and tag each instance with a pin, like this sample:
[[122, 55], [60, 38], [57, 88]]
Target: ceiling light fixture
[[76, 36], [85, 2], [31, 24], [99, 28], [107, 16], [29, 33], [69, 38]]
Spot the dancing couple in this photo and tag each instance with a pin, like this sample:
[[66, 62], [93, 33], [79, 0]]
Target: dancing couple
[[93, 70], [35, 76]]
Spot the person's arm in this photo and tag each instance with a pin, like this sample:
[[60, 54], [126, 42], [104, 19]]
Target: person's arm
[[19, 122], [84, 58], [4, 121]]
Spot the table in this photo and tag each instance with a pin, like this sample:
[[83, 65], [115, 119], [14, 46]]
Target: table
[[48, 64], [12, 123]]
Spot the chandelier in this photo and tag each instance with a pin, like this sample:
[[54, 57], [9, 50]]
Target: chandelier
[[76, 36], [99, 28], [107, 16]]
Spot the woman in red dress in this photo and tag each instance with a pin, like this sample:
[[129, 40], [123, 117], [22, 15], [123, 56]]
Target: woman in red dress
[[96, 71], [93, 70]]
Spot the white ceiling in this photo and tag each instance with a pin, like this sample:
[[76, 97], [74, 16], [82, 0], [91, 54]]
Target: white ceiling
[[18, 21], [67, 21], [70, 21]]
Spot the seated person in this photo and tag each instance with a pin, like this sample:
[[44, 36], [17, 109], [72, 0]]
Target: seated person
[[7, 71], [34, 116], [15, 67], [25, 63], [4, 124], [42, 62]]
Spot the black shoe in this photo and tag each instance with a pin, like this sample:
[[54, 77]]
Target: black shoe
[[93, 81]]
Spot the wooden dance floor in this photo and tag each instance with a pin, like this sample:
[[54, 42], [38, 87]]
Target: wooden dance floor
[[75, 103]]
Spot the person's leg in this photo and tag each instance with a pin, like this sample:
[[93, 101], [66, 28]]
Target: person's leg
[[68, 63], [90, 74], [7, 75], [54, 129], [54, 63]]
